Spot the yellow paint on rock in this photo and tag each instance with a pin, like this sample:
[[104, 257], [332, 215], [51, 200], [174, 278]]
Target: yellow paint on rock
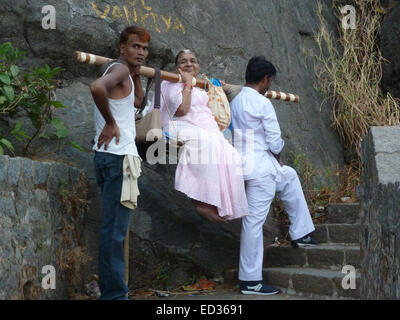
[[147, 19]]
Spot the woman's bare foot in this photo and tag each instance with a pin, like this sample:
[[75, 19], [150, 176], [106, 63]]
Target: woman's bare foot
[[208, 211]]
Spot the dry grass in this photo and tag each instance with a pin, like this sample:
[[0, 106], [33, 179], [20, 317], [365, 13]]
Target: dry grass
[[74, 198], [349, 73], [71, 255], [71, 258], [329, 185], [322, 187]]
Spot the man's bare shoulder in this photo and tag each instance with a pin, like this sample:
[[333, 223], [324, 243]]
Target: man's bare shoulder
[[115, 75], [118, 69]]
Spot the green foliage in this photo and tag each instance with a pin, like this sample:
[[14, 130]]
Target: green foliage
[[31, 91]]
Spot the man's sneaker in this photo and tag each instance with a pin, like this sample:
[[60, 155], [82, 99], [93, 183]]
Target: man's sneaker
[[257, 287], [306, 241]]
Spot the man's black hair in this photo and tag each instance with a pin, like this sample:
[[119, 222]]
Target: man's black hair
[[257, 68]]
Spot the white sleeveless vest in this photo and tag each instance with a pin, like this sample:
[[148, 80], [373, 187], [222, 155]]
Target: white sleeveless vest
[[123, 111]]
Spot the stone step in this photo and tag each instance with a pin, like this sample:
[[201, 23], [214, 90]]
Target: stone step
[[334, 233], [329, 256], [337, 233], [343, 213], [305, 282], [315, 283]]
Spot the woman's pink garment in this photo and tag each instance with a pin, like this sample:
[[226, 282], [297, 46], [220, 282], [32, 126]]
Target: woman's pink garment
[[209, 168]]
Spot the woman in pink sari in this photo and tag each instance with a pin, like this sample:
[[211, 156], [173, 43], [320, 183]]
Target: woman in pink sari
[[209, 170]]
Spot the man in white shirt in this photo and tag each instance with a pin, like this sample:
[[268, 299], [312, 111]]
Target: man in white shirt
[[257, 136], [116, 94]]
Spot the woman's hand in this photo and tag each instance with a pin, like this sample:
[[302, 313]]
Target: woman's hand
[[186, 76], [184, 107]]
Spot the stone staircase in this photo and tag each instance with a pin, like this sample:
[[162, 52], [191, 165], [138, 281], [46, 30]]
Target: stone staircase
[[316, 272]]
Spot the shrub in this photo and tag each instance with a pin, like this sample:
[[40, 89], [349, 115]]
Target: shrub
[[32, 92]]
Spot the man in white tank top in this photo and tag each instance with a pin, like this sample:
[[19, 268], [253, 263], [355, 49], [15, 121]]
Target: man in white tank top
[[116, 93]]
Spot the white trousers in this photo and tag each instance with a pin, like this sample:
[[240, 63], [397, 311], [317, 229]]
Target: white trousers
[[260, 192]]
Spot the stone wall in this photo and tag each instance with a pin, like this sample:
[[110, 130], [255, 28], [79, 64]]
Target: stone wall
[[380, 214], [42, 205]]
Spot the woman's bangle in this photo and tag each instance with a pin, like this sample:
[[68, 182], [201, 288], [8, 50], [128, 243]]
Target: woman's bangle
[[187, 87]]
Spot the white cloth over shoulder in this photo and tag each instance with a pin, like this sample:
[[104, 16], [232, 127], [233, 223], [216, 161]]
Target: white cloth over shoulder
[[130, 189], [256, 133]]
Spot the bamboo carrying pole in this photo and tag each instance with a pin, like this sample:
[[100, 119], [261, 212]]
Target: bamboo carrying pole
[[126, 252], [230, 90]]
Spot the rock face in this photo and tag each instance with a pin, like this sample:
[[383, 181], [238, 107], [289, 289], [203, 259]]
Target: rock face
[[380, 217], [40, 225], [390, 46], [226, 34]]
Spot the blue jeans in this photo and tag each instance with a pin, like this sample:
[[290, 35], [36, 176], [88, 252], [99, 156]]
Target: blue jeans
[[114, 225]]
